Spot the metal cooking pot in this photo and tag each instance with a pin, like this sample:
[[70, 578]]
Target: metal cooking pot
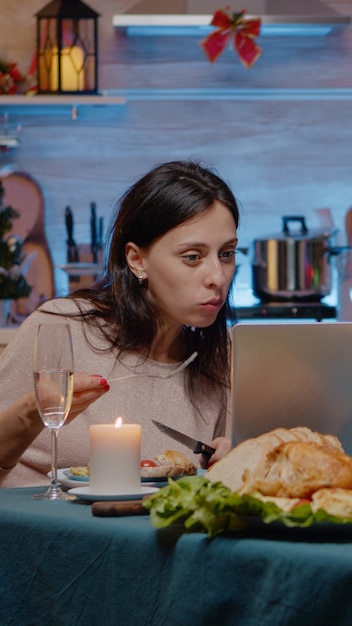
[[292, 266]]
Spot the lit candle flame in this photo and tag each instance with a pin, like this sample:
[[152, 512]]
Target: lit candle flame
[[118, 422]]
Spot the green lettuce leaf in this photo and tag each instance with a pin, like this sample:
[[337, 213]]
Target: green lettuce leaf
[[201, 505]]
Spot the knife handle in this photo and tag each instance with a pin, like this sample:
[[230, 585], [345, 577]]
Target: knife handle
[[69, 224], [202, 448]]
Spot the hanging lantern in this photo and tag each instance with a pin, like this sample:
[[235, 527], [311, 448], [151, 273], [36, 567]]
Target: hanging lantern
[[67, 48]]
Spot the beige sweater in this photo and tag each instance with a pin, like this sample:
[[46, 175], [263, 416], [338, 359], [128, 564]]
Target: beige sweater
[[155, 391]]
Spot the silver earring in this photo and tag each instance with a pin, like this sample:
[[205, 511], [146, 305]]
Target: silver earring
[[140, 279]]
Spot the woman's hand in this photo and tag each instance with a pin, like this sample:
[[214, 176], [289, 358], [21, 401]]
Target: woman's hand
[[20, 423], [222, 446], [87, 388]]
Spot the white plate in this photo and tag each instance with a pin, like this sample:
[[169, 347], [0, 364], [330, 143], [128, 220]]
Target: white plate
[[66, 481], [69, 481], [77, 478], [84, 493]]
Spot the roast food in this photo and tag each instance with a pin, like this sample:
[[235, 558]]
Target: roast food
[[337, 502], [334, 501], [292, 463], [82, 471], [168, 463], [297, 469], [291, 477]]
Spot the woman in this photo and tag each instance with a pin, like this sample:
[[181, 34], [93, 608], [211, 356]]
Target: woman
[[154, 326]]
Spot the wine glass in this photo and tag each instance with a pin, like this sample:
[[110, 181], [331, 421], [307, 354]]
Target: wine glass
[[53, 384]]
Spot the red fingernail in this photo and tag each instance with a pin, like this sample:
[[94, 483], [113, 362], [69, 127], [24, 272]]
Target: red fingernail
[[107, 387], [103, 382]]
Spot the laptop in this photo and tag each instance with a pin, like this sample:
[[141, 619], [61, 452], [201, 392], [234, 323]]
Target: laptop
[[292, 374]]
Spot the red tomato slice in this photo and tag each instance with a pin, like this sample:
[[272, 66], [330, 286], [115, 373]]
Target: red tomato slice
[[147, 463], [303, 501]]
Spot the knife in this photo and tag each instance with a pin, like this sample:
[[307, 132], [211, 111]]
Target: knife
[[72, 249], [93, 232], [198, 447], [72, 252]]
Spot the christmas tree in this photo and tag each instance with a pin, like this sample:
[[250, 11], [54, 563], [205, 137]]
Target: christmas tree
[[13, 284]]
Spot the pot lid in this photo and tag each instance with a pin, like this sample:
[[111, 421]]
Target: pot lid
[[295, 227]]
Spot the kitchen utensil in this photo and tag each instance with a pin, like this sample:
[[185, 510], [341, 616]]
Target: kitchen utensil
[[348, 226], [344, 274], [348, 229], [72, 248], [93, 232], [119, 509], [198, 447], [293, 265]]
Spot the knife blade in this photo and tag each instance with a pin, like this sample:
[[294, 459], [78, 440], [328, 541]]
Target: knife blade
[[198, 447]]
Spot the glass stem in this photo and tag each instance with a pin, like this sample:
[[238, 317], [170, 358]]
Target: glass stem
[[54, 436]]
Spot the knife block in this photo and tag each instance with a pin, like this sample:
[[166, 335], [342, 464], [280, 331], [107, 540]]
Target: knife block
[[85, 256]]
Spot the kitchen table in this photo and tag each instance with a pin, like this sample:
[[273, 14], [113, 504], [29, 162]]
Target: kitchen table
[[60, 565]]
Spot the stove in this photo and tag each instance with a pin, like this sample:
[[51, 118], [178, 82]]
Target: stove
[[286, 310]]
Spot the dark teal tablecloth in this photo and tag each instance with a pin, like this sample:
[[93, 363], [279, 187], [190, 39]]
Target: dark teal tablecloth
[[60, 566]]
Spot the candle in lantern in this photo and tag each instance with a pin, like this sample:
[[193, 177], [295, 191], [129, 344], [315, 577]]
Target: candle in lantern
[[71, 68], [115, 458]]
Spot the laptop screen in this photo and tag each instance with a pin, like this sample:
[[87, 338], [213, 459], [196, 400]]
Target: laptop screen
[[292, 374]]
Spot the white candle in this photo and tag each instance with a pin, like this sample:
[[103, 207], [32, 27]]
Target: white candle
[[115, 452], [72, 72]]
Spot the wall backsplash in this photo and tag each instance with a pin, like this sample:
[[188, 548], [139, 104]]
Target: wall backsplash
[[283, 152]]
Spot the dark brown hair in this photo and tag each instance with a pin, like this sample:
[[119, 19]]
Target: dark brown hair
[[167, 196]]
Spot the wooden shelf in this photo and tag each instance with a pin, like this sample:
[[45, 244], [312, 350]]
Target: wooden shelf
[[72, 100], [233, 93], [121, 97], [82, 269]]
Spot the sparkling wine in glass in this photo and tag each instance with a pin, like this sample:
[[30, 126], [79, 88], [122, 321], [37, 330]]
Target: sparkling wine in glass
[[53, 384]]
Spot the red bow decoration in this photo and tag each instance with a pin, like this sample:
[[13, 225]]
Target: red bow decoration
[[243, 31]]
